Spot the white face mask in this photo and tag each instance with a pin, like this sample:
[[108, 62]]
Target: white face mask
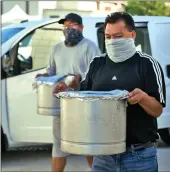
[[120, 49]]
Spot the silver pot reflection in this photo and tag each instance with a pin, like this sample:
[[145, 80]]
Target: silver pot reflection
[[47, 103]]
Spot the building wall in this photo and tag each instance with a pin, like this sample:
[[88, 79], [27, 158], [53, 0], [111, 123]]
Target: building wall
[[8, 5], [79, 5], [66, 5], [63, 12], [83, 8], [32, 6]]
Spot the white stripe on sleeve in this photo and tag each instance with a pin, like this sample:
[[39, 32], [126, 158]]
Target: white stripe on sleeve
[[158, 74]]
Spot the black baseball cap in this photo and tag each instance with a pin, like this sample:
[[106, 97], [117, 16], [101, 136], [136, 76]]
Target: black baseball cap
[[73, 17]]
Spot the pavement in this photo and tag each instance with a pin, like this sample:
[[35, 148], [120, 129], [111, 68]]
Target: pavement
[[40, 160]]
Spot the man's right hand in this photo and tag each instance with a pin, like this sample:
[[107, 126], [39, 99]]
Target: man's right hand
[[76, 82], [61, 87], [39, 75]]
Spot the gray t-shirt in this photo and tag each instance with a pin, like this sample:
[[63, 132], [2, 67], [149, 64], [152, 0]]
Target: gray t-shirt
[[75, 60]]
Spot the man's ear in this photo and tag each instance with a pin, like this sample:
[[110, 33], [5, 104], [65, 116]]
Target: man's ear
[[82, 27], [133, 34]]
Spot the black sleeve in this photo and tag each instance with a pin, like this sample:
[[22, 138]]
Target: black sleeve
[[154, 82], [86, 83]]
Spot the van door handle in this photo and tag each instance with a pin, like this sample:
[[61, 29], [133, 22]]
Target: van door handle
[[168, 70]]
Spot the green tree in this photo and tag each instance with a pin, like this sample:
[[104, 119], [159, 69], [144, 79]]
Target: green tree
[[147, 8]]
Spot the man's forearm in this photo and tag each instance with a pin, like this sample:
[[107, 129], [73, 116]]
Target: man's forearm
[[46, 74], [39, 75], [151, 106]]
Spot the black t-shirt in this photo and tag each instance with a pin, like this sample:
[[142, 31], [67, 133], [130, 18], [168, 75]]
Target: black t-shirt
[[140, 71]]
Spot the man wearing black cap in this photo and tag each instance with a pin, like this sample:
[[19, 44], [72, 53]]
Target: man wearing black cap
[[73, 29], [71, 56]]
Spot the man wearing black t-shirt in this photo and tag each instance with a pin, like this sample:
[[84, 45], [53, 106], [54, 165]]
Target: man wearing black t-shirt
[[125, 68]]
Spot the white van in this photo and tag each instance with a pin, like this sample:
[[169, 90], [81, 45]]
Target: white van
[[25, 54]]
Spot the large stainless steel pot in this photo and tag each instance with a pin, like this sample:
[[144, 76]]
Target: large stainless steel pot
[[93, 126], [47, 103]]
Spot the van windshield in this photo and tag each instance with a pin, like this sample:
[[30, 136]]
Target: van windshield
[[8, 33], [142, 39]]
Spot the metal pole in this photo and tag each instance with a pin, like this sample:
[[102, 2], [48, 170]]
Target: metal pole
[[27, 7], [98, 4], [2, 7]]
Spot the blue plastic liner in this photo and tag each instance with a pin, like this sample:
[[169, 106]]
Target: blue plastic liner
[[50, 79]]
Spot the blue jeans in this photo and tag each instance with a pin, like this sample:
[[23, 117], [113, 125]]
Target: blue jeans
[[144, 160]]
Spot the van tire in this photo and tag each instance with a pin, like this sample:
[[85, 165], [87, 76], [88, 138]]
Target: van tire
[[3, 141], [165, 135]]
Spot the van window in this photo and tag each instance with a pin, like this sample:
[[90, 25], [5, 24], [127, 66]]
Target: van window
[[8, 33], [34, 49], [142, 39]]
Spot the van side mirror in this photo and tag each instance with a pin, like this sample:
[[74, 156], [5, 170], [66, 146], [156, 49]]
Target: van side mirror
[[168, 70]]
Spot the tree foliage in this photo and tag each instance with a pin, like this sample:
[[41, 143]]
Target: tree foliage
[[147, 8]]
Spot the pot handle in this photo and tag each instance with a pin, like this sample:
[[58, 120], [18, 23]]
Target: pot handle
[[123, 98]]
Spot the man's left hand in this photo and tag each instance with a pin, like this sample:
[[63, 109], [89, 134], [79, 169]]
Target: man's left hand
[[136, 96]]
